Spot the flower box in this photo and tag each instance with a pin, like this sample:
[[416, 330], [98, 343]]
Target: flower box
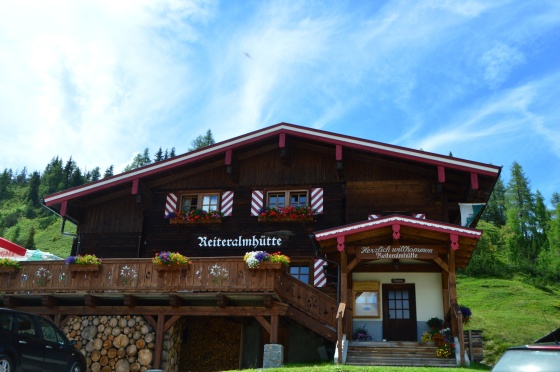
[[162, 269], [76, 268], [180, 221], [285, 219], [8, 269], [267, 265]]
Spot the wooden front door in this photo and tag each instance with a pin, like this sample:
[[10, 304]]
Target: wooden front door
[[399, 312]]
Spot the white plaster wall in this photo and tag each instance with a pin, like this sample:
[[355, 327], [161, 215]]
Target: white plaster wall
[[429, 296]]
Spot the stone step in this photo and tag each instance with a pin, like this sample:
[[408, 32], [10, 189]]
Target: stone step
[[395, 354]]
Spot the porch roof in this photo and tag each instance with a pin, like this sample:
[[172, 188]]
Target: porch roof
[[398, 230]]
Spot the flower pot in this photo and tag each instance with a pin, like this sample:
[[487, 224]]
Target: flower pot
[[76, 268]]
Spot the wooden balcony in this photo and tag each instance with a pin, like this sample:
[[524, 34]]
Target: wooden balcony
[[216, 285]]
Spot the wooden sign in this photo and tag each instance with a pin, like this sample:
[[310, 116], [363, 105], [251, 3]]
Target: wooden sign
[[396, 252]]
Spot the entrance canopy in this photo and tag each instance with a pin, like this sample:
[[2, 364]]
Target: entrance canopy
[[401, 237]]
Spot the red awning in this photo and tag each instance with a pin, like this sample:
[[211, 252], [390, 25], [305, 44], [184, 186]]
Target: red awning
[[9, 249]]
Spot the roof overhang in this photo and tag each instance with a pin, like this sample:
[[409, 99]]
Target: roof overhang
[[9, 249], [281, 130]]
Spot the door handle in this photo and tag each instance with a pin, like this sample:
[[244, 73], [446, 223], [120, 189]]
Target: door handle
[[22, 342], [48, 347]]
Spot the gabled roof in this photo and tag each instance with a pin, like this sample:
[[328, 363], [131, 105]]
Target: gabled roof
[[411, 231], [423, 224], [276, 130]]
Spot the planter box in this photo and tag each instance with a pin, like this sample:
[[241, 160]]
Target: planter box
[[285, 219], [179, 221], [162, 269], [8, 269], [268, 266], [76, 268]]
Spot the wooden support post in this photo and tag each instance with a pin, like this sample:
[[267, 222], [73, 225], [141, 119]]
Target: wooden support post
[[340, 317], [158, 352], [274, 325]]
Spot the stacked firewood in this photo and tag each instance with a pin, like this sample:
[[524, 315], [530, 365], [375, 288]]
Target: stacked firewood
[[113, 343]]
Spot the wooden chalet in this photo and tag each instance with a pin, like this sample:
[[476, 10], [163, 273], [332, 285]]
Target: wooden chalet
[[381, 251]]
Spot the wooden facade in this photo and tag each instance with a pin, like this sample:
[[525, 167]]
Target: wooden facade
[[371, 195]]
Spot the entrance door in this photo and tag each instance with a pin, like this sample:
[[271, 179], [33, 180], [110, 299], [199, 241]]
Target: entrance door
[[399, 312]]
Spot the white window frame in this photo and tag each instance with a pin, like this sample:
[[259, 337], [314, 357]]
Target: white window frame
[[200, 201], [287, 197]]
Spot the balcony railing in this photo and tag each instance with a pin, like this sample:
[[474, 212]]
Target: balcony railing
[[224, 274]]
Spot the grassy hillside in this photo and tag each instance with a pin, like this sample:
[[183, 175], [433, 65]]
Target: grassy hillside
[[509, 312]]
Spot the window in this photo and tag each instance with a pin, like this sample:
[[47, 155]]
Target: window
[[277, 199], [50, 333], [6, 321], [300, 272], [25, 325], [206, 202]]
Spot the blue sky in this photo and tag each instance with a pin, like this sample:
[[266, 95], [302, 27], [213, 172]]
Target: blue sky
[[102, 80]]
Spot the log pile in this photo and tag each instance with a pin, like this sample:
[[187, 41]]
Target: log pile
[[113, 343]]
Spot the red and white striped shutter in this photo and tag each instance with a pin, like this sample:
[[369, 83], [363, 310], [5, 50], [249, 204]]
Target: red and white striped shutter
[[257, 202], [170, 204], [320, 278], [373, 217], [419, 215], [317, 200], [227, 203]]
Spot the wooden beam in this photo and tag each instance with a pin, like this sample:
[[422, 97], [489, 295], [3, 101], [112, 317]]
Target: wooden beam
[[264, 323], [148, 311], [130, 300], [49, 301], [150, 319], [175, 301], [63, 207], [441, 264], [274, 325], [91, 301], [135, 186], [267, 301], [169, 323], [222, 300], [474, 181], [160, 333], [355, 262], [441, 174]]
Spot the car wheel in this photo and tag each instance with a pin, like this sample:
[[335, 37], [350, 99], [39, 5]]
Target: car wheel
[[5, 364], [76, 367]]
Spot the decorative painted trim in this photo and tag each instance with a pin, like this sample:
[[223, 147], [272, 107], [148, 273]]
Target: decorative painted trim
[[227, 203], [257, 202], [170, 204], [319, 277], [317, 200]]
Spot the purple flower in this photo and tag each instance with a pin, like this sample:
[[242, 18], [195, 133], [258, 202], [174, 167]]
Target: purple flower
[[70, 259]]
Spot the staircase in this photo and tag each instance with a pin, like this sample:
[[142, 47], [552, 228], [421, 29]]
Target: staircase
[[395, 353]]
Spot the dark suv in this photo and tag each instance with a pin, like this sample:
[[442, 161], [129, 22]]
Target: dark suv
[[29, 342]]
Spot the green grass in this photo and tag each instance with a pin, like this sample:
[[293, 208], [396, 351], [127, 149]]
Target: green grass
[[509, 312]]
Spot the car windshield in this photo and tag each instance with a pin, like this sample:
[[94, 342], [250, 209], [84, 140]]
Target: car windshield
[[528, 361]]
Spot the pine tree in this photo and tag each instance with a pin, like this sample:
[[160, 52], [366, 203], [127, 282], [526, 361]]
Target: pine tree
[[159, 155], [520, 205], [108, 172], [202, 141], [29, 241], [495, 210], [33, 192]]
